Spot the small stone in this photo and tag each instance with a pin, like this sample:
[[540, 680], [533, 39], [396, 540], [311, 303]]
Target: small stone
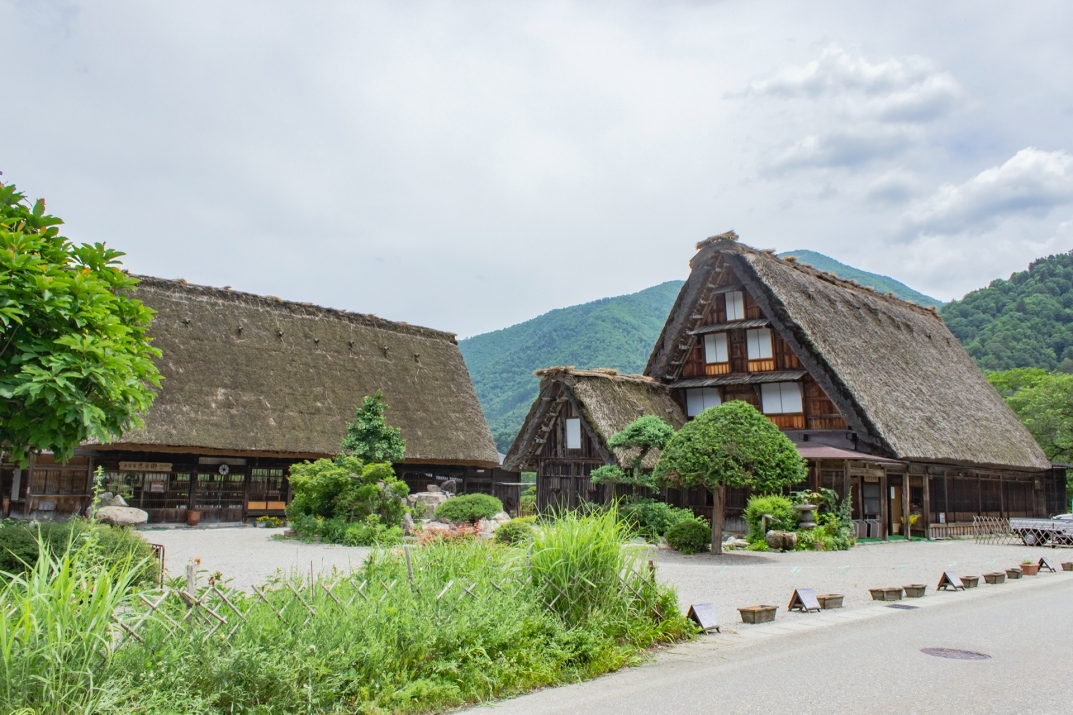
[[118, 500], [407, 525], [432, 488], [502, 517]]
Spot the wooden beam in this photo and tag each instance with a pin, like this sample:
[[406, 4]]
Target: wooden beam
[[927, 505], [905, 507]]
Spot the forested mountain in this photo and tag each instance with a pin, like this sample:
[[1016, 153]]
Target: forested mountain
[[610, 332], [1026, 321], [883, 284]]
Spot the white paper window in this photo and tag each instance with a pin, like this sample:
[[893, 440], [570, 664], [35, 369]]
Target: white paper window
[[715, 348], [781, 398], [701, 398], [759, 343], [735, 305], [573, 433]]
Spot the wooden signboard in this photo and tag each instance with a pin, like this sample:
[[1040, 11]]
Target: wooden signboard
[[950, 580], [804, 600], [1046, 563], [145, 466], [703, 614]]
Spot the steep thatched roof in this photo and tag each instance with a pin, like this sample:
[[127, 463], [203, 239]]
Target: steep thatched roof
[[896, 373], [249, 373], [608, 402]]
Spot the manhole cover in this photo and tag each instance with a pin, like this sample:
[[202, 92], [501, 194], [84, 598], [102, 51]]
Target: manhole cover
[[903, 606], [955, 654]]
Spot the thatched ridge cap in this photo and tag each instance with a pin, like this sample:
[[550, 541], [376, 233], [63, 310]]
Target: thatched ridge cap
[[723, 245], [559, 371], [228, 294]]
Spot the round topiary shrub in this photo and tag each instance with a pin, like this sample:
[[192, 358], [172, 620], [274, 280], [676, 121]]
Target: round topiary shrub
[[515, 531], [469, 508], [690, 536]]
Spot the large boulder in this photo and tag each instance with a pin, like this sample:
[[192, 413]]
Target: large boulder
[[431, 500], [782, 540], [121, 516]]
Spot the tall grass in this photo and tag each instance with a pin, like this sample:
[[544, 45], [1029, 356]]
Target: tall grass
[[58, 626]]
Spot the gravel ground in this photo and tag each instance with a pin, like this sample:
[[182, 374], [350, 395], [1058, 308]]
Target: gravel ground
[[246, 555], [745, 578]]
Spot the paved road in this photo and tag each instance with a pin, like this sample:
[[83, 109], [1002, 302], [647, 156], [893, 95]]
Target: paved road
[[873, 665]]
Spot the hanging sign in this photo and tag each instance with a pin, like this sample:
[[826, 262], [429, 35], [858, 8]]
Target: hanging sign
[[145, 466]]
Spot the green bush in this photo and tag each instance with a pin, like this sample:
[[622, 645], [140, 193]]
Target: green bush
[[650, 519], [779, 507], [527, 502], [469, 508], [371, 532], [515, 531], [19, 548], [690, 536]]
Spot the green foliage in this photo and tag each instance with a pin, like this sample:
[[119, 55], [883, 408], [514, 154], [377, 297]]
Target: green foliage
[[75, 358], [690, 536], [412, 652], [1026, 321], [607, 473], [639, 438], [883, 284], [613, 332], [330, 494], [650, 519], [515, 531], [731, 445], [1044, 403], [58, 629], [527, 502], [777, 506], [20, 544], [371, 532], [369, 438], [469, 507]]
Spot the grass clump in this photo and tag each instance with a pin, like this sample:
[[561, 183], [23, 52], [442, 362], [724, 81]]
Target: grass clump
[[515, 531], [690, 536], [20, 544], [470, 508]]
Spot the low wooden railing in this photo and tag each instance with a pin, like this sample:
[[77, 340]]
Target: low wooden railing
[[959, 530]]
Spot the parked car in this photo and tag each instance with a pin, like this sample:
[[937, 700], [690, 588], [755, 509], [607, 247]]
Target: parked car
[[1038, 532]]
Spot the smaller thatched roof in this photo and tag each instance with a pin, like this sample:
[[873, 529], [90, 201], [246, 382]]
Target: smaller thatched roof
[[607, 400]]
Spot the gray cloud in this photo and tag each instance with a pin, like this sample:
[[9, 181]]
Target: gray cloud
[[841, 149]]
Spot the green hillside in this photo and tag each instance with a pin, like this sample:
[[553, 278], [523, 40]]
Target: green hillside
[[883, 284], [1026, 321], [611, 332]]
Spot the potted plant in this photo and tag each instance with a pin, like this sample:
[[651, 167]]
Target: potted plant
[[995, 577], [193, 517], [970, 581], [1014, 573], [916, 590], [830, 600], [758, 614], [1029, 567]]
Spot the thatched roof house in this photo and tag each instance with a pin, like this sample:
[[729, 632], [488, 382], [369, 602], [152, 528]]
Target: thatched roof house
[[898, 377], [564, 436], [253, 384]]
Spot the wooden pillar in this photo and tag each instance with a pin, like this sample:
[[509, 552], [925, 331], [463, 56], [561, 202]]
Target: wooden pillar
[[847, 487], [1001, 497], [926, 511], [884, 506], [946, 496], [979, 496], [905, 506]]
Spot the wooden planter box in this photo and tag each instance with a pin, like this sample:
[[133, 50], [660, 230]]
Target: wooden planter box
[[970, 581], [891, 593], [916, 590], [1013, 573], [996, 577], [758, 614], [830, 600], [1067, 565], [1030, 569]]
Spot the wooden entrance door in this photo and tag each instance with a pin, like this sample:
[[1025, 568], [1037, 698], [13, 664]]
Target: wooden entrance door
[[220, 497]]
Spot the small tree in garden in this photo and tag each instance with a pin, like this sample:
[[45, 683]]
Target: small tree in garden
[[640, 436], [75, 358], [369, 438], [731, 445]]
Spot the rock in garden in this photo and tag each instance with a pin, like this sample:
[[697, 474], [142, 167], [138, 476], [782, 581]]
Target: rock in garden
[[122, 516], [432, 488], [502, 517], [407, 525], [782, 540], [117, 500]]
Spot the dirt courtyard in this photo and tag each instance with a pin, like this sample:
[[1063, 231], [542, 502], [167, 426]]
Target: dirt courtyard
[[249, 556]]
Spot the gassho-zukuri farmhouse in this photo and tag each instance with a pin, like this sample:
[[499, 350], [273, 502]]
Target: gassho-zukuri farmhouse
[[253, 384], [876, 393]]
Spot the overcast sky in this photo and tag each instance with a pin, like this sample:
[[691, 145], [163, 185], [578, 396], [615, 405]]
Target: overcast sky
[[467, 166]]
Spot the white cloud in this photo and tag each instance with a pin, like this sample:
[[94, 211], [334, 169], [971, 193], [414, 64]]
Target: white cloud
[[849, 149], [898, 89], [1031, 183]]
